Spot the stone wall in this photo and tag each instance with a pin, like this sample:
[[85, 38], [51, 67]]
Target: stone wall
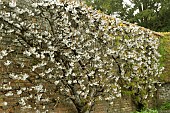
[[163, 94], [120, 105]]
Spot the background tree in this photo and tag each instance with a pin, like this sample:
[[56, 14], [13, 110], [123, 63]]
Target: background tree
[[107, 6], [146, 12], [151, 14], [163, 20]]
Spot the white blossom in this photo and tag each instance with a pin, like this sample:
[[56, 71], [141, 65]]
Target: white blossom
[[32, 50], [69, 81], [27, 53], [8, 62], [12, 4], [10, 93], [22, 102], [56, 82], [34, 5], [24, 76], [19, 92], [5, 103], [4, 53], [39, 88], [118, 95]]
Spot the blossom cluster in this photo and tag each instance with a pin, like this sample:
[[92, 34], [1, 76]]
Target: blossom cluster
[[81, 53]]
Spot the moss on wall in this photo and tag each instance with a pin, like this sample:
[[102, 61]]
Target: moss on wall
[[165, 59]]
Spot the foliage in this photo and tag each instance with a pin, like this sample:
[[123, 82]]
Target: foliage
[[147, 111], [76, 52], [165, 106]]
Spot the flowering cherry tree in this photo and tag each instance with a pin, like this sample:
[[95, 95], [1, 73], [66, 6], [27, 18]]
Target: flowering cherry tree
[[69, 50]]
